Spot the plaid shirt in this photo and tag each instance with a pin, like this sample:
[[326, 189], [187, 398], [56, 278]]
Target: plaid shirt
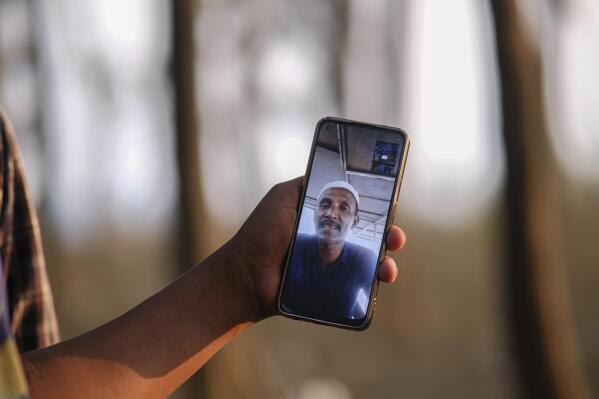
[[27, 315]]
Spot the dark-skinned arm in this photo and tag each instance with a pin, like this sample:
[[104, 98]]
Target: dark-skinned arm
[[151, 350]]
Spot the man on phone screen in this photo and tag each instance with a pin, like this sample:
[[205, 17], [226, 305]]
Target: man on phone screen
[[331, 277]]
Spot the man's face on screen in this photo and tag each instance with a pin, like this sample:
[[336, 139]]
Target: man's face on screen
[[335, 215]]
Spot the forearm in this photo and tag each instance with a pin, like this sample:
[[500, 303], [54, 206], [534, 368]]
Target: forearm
[[149, 351]]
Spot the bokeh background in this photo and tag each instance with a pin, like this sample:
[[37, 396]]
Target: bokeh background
[[151, 129]]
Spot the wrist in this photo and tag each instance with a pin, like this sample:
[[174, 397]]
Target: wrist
[[237, 283]]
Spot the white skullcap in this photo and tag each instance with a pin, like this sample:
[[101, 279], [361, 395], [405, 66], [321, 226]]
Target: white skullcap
[[341, 184]]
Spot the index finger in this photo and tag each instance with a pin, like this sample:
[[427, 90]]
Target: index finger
[[396, 238]]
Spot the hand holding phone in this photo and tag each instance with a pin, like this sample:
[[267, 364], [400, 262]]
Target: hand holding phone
[[348, 202], [260, 250]]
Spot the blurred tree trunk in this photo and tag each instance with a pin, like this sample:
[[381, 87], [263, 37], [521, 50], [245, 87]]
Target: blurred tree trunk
[[191, 211], [191, 220], [540, 319], [340, 10], [397, 27], [36, 26]]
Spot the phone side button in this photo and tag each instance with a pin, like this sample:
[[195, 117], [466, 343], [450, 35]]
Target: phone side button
[[393, 212]]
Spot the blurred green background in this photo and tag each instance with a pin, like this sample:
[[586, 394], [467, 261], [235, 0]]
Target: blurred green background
[[151, 129]]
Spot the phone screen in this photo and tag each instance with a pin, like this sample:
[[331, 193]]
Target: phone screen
[[350, 188]]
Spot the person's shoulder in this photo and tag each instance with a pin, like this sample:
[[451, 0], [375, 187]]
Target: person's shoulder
[[360, 250], [364, 256]]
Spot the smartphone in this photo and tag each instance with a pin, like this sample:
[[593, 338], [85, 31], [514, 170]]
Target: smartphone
[[347, 205]]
